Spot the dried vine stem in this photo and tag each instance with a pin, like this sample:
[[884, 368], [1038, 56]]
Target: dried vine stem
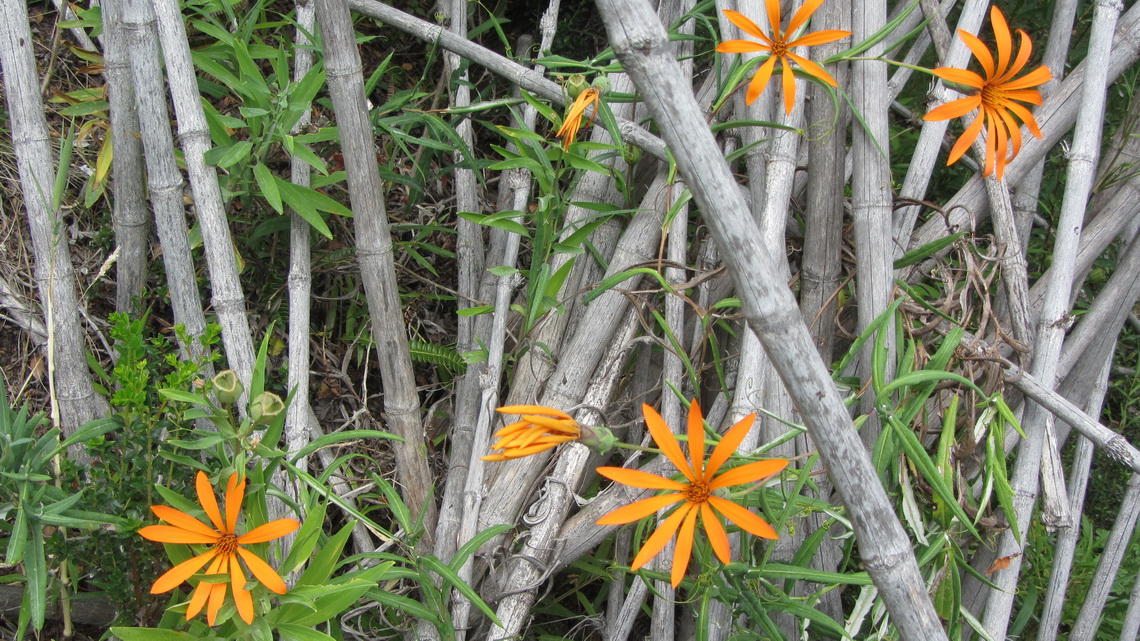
[[640, 44], [1051, 322], [74, 399], [193, 133], [374, 252]]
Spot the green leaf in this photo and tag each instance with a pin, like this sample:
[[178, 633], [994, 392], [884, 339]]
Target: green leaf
[[185, 397], [475, 311], [929, 249], [337, 437], [151, 634], [468, 548], [453, 579], [322, 566], [268, 187], [409, 606], [295, 632], [226, 157], [35, 569], [90, 430], [502, 220]]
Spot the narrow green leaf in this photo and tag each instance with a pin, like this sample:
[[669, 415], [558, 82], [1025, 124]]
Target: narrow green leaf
[[268, 187]]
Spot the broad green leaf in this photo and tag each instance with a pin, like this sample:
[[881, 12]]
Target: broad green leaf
[[268, 187]]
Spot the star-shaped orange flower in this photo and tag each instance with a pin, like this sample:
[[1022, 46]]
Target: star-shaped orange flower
[[695, 494], [540, 429], [573, 121], [996, 96], [780, 48], [222, 557]]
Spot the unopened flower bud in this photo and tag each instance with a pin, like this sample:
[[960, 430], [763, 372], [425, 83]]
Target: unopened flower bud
[[228, 387], [575, 85], [266, 407], [599, 439]]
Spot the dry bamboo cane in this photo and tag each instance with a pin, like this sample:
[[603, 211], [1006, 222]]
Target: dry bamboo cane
[[374, 252], [129, 213], [932, 135], [1130, 627], [970, 204], [530, 570], [193, 133], [74, 401], [528, 79], [1092, 609], [1051, 322], [165, 180], [1067, 538], [78, 33], [639, 42], [871, 202]]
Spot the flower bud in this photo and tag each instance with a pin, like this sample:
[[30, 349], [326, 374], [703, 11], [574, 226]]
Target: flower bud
[[575, 85], [228, 387], [266, 407], [599, 439]]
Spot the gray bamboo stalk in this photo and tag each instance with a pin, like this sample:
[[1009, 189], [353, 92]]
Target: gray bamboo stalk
[[530, 80], [639, 42], [81, 37], [970, 205], [228, 299], [1014, 268], [1067, 538], [298, 424], [822, 269], [130, 212], [469, 252], [1092, 609], [74, 401], [1131, 624], [1056, 52], [913, 55], [374, 252], [1051, 322], [581, 354], [871, 200], [165, 180], [930, 139], [530, 570]]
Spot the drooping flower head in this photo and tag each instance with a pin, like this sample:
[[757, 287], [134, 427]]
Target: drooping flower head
[[573, 121], [695, 493], [539, 429], [225, 549], [780, 48], [997, 96]]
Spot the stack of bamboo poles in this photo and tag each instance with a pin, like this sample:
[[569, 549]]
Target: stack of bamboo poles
[[578, 358]]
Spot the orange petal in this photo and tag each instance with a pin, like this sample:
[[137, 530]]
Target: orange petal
[[1032, 96], [718, 538], [696, 438], [773, 9], [1003, 39], [953, 109], [801, 17], [242, 598], [1023, 53], [235, 492], [960, 76], [640, 509], [208, 501], [979, 50], [262, 570], [819, 38], [660, 537], [1000, 141], [217, 598], [666, 441], [176, 575], [741, 46], [533, 409], [789, 85], [684, 548], [637, 478], [269, 531], [748, 473], [745, 24], [991, 150], [968, 137], [528, 451], [1038, 76], [760, 80], [1026, 117], [746, 520], [1014, 130], [178, 518], [555, 424], [198, 600], [813, 69], [171, 534], [728, 444]]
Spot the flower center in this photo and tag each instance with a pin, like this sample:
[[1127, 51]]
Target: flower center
[[779, 49], [697, 492], [227, 545], [992, 95]]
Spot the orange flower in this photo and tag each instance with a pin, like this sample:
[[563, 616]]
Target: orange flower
[[573, 121], [780, 48], [225, 547], [540, 429], [696, 496], [996, 95]]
